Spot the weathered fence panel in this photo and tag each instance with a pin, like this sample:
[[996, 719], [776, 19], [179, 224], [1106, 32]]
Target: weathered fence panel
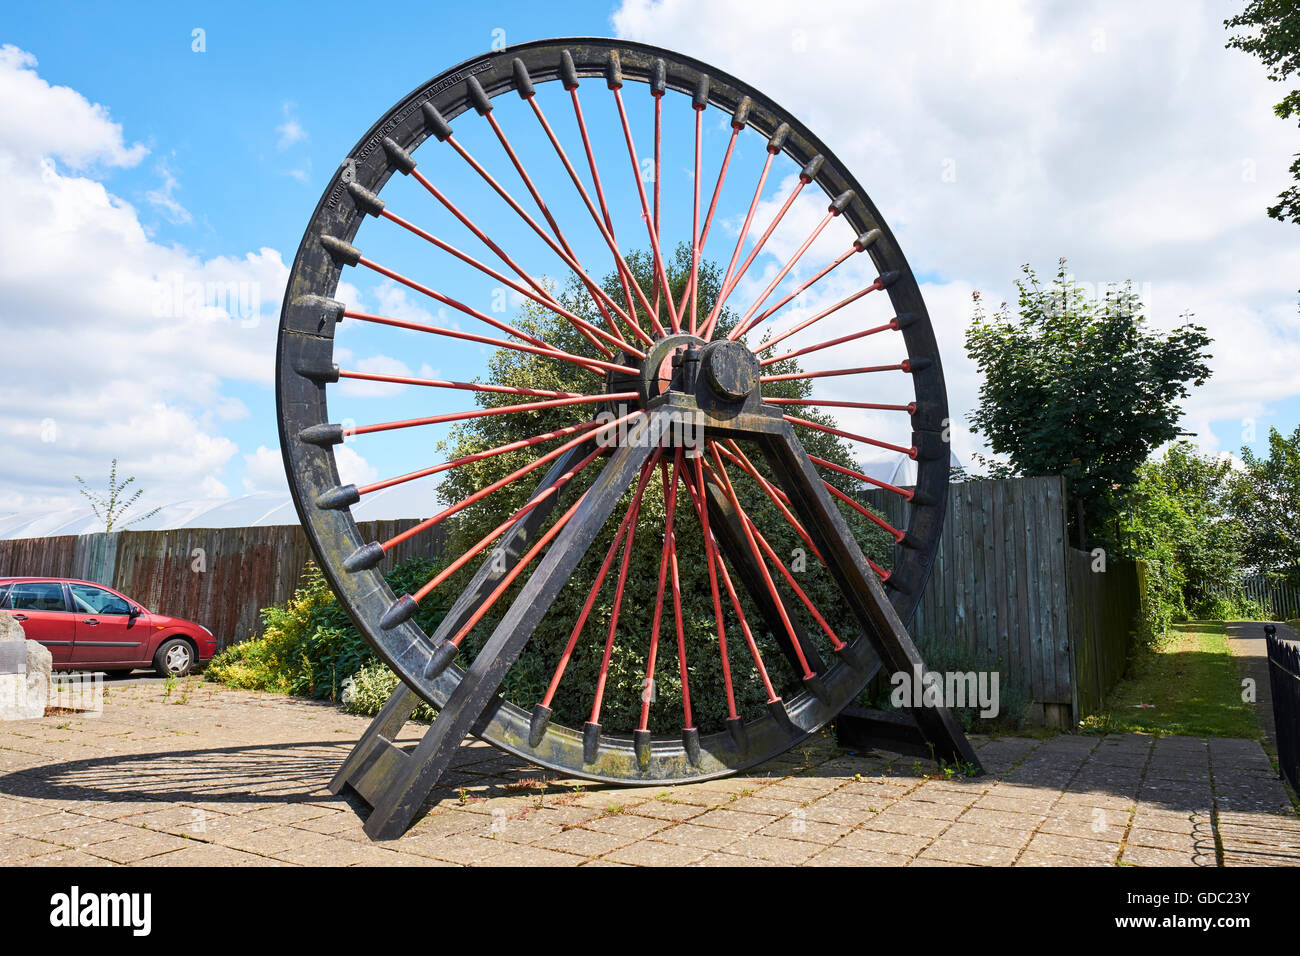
[[1102, 601], [218, 577], [996, 592], [1000, 593]]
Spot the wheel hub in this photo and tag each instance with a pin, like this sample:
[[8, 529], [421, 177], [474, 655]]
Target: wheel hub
[[728, 371]]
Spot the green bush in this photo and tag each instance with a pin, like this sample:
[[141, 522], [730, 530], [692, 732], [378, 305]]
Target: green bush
[[366, 691], [1229, 607], [308, 646]]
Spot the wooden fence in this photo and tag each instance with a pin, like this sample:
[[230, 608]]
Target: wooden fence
[[218, 577], [1007, 591]]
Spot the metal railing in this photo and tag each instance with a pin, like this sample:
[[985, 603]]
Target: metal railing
[[1284, 682]]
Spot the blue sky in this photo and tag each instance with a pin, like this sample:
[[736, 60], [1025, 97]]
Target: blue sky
[[1021, 132], [252, 127]]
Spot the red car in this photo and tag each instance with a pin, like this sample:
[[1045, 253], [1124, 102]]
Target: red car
[[87, 626]]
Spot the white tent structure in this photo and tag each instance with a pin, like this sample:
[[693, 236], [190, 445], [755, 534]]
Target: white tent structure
[[895, 468], [412, 500]]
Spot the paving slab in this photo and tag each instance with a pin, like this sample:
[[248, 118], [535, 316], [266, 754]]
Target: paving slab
[[235, 778]]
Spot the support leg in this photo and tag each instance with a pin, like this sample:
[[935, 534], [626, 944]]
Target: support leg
[[824, 523], [407, 783]]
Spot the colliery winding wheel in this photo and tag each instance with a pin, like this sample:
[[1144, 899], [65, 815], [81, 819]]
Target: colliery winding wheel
[[683, 403]]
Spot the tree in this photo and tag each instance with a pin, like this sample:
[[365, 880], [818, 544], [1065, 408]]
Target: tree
[[1274, 37], [1078, 387], [111, 506], [526, 681], [1265, 499], [1177, 519]]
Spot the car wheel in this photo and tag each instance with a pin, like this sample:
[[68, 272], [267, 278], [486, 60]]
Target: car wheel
[[175, 658]]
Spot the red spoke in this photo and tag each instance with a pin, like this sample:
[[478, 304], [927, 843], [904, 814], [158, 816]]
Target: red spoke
[[487, 413], [589, 364], [865, 512], [470, 386], [744, 325], [859, 244], [645, 213], [659, 115], [903, 366], [785, 572], [710, 552], [778, 497], [581, 622], [537, 198], [724, 482], [701, 508], [689, 724], [514, 572], [805, 177], [891, 325], [630, 284], [602, 300], [458, 305], [500, 253], [500, 483], [909, 451], [740, 244], [670, 505], [597, 295], [713, 205], [483, 237], [606, 231], [478, 456], [552, 489], [547, 302], [634, 513], [909, 495], [910, 407], [767, 233], [772, 696], [689, 292]]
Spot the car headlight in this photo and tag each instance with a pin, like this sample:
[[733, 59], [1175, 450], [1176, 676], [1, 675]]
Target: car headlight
[[207, 632]]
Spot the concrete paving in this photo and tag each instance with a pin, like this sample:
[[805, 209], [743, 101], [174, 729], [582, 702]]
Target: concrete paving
[[197, 774]]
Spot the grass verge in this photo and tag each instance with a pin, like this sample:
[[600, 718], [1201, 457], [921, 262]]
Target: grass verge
[[1188, 684]]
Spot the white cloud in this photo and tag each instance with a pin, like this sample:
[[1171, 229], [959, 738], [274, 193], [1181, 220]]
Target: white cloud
[[40, 120], [164, 199], [302, 173], [290, 131], [353, 469], [999, 133], [264, 471], [129, 345]]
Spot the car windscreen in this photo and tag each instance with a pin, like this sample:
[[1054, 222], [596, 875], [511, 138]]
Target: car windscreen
[[92, 600]]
